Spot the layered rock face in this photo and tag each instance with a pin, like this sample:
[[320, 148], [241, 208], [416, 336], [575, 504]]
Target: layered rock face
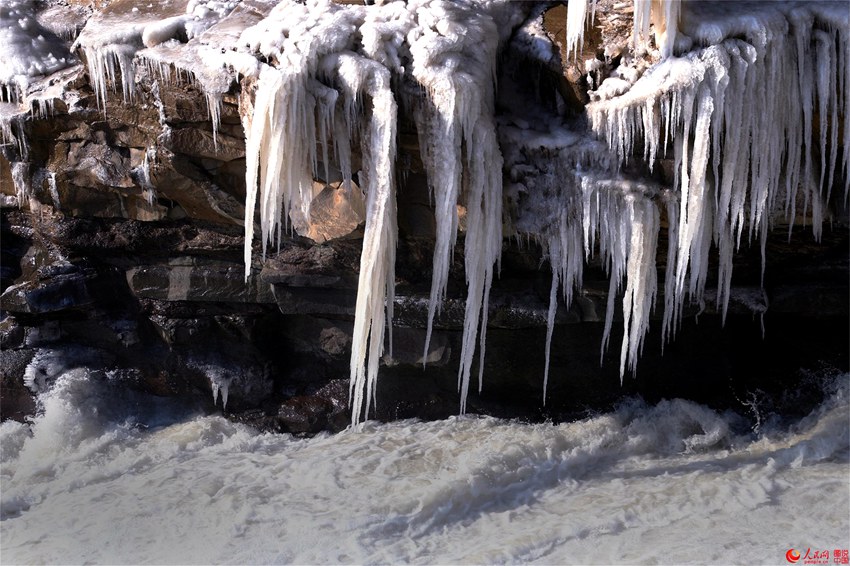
[[123, 231]]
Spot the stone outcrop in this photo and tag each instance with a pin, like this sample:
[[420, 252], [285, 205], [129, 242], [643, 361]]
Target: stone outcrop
[[122, 252]]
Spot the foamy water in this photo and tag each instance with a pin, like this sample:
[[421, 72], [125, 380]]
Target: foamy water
[[670, 483]]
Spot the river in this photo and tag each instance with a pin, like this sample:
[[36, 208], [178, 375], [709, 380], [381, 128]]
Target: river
[[105, 475]]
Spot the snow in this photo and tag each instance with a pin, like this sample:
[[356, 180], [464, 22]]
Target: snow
[[29, 49], [113, 37]]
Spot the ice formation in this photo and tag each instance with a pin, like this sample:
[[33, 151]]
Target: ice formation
[[125, 34], [663, 15], [454, 57], [292, 104], [740, 141], [29, 49], [746, 99], [577, 17], [220, 386], [581, 206], [681, 105], [738, 118], [313, 93]]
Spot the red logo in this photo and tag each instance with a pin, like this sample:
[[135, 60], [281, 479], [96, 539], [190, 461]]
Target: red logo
[[839, 556]]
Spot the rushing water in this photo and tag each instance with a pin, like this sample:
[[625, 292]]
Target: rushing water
[[670, 483]]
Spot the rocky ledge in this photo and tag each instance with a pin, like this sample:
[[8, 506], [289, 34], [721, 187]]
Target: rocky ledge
[[122, 252]]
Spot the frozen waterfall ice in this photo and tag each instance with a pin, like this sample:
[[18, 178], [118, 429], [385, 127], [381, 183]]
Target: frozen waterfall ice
[[746, 100], [322, 72]]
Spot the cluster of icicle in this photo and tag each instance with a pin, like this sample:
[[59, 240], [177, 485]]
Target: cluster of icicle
[[737, 114], [578, 207], [329, 59], [124, 36], [739, 117], [314, 93], [328, 73]]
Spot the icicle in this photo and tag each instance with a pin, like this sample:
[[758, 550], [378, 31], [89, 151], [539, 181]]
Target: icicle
[[730, 105], [670, 321], [664, 17], [148, 190], [642, 18], [483, 242], [459, 108], [376, 286], [695, 201], [554, 256], [214, 109], [284, 116], [103, 62], [215, 388], [220, 385], [577, 19], [641, 279], [6, 136], [844, 81], [666, 22], [21, 180], [54, 192], [440, 143], [614, 230]]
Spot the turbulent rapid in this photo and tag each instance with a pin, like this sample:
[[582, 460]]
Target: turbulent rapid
[[104, 475]]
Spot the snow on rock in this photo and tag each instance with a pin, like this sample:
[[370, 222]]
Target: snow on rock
[[113, 36], [29, 49]]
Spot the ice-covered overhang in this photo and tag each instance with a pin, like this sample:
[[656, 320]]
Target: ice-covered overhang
[[745, 101]]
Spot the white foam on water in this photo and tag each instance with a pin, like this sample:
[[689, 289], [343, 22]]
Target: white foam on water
[[672, 483]]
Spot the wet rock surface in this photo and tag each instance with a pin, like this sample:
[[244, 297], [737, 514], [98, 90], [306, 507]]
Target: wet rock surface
[[164, 305]]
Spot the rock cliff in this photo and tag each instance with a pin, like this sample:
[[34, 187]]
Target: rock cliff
[[123, 231]]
